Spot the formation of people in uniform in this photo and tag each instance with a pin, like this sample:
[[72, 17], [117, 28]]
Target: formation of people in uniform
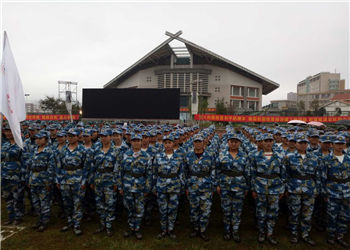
[[103, 168]]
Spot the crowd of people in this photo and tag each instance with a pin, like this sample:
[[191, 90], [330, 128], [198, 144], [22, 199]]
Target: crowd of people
[[103, 167]]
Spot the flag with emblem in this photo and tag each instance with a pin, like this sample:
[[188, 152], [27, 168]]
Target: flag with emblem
[[12, 104]]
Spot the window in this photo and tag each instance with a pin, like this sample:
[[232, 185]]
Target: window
[[236, 91], [333, 84], [217, 78], [237, 104], [217, 89], [252, 105], [148, 79], [253, 92]]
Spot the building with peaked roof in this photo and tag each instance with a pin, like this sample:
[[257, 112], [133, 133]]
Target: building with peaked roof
[[193, 68], [337, 108]]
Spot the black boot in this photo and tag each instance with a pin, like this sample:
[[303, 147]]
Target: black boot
[[204, 236], [309, 241], [128, 233], [235, 237], [261, 237], [272, 240], [36, 225], [172, 235], [194, 233], [342, 242], [162, 235], [227, 235], [109, 232], [42, 228], [100, 229], [138, 235], [294, 239]]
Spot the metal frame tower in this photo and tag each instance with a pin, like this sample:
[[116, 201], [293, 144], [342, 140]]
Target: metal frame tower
[[64, 86]]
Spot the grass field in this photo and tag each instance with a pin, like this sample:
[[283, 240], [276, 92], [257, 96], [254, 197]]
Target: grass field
[[53, 239]]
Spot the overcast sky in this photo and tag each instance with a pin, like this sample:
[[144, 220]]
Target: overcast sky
[[91, 43]]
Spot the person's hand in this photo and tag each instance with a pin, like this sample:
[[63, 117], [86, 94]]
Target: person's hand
[[121, 192], [83, 187], [145, 194], [281, 196], [325, 199], [286, 194], [48, 188], [92, 186], [115, 188], [254, 195], [218, 190], [58, 186], [245, 193], [186, 192]]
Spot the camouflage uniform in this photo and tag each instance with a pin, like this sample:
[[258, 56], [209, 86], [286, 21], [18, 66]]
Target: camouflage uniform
[[135, 180], [200, 183], [71, 174], [233, 179], [303, 184], [336, 186], [267, 180], [169, 179], [105, 173], [41, 175], [12, 178]]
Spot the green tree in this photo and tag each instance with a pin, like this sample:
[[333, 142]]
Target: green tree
[[57, 106], [301, 107], [314, 105], [220, 107], [202, 104]]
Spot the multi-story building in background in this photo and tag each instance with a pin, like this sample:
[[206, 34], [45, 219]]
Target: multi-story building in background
[[322, 87], [292, 96]]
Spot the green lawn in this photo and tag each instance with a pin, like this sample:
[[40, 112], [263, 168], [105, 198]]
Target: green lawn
[[53, 239]]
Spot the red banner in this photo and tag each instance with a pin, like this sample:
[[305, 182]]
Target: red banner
[[248, 118], [50, 117]]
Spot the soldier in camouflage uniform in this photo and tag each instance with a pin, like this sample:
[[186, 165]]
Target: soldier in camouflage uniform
[[200, 185], [336, 187], [134, 182], [71, 176], [267, 184], [41, 176], [105, 173], [232, 174], [12, 178], [303, 184], [168, 178]]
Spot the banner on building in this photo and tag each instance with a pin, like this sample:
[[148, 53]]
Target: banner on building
[[248, 118]]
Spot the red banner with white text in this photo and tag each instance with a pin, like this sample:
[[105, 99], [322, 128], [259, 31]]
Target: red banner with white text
[[248, 118]]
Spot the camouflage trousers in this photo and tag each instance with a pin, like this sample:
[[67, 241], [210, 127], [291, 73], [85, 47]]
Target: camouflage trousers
[[11, 193], [168, 204], [232, 205], [105, 204], [338, 217], [267, 212], [72, 195], [200, 209], [135, 204], [301, 207], [42, 203]]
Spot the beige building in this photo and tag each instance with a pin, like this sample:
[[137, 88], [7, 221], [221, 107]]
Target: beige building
[[279, 105], [322, 87], [195, 69]]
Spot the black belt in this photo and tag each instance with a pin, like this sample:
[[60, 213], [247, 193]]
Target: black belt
[[301, 177], [338, 180], [134, 174], [173, 175], [10, 159], [267, 176], [72, 168], [39, 169], [105, 170], [232, 173], [200, 174]]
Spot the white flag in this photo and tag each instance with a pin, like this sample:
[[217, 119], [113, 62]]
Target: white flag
[[12, 103]]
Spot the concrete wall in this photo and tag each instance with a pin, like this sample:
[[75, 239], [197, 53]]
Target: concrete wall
[[227, 79]]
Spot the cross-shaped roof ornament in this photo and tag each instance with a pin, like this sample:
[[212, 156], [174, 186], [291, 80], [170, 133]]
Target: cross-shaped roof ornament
[[174, 36]]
